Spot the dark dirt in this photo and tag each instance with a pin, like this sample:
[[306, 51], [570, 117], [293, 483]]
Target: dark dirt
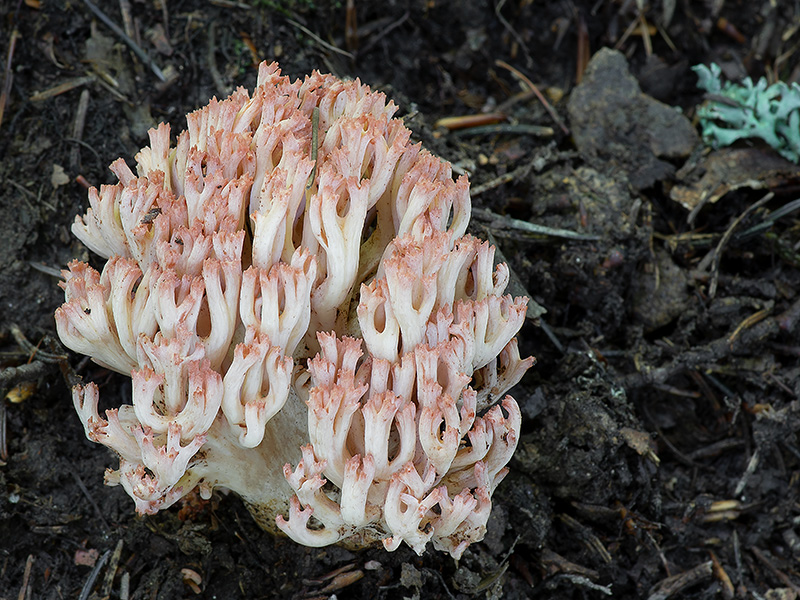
[[660, 453]]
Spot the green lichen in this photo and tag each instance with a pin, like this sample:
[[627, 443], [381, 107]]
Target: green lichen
[[735, 111]]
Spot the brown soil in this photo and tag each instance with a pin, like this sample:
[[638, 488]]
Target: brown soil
[[659, 453]]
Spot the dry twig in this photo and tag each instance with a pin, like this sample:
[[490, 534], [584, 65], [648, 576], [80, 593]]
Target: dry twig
[[510, 28], [26, 577], [143, 56], [77, 129], [496, 221], [319, 40], [775, 570], [382, 34], [670, 586], [8, 76], [712, 288], [530, 85], [86, 590]]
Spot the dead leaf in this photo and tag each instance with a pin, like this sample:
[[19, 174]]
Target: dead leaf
[[729, 169], [86, 558], [641, 442], [158, 37], [59, 177]]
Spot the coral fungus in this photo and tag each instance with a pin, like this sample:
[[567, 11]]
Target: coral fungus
[[304, 320]]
